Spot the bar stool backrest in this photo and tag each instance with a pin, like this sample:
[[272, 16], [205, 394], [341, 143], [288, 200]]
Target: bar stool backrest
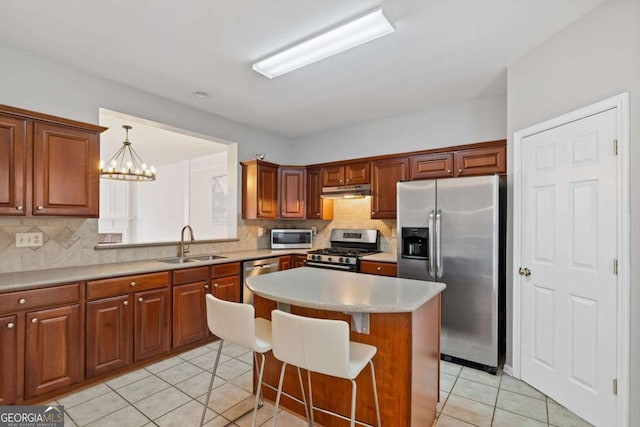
[[318, 345], [232, 322]]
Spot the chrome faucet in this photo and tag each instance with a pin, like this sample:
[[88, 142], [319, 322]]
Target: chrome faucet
[[185, 248]]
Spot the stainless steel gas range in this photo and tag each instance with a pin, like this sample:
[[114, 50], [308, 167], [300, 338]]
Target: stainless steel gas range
[[347, 247]]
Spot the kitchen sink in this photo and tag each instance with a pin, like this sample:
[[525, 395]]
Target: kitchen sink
[[207, 257], [178, 260]]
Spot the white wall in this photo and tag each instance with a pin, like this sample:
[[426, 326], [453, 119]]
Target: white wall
[[483, 119], [596, 57], [40, 84]]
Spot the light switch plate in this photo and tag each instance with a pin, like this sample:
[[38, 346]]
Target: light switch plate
[[28, 240]]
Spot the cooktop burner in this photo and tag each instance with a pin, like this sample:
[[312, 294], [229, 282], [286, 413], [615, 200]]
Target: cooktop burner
[[355, 252]]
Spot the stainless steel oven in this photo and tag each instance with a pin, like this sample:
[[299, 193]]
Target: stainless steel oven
[[347, 247]]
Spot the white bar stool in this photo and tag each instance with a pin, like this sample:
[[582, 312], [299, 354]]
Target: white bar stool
[[236, 323], [322, 346]]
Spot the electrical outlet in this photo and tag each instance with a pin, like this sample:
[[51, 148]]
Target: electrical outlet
[[28, 240], [260, 231], [394, 232], [314, 230]]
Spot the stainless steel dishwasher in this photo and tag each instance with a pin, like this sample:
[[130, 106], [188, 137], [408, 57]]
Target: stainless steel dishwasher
[[256, 268]]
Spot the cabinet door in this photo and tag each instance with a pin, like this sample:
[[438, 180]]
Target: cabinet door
[[429, 166], [267, 191], [292, 192], [356, 173], [13, 156], [299, 261], [8, 359], [317, 207], [66, 173], [332, 176], [284, 262], [108, 334], [189, 313], [151, 324], [386, 174], [53, 350], [481, 161], [226, 288]]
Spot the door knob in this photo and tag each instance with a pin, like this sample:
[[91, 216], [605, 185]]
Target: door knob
[[524, 272]]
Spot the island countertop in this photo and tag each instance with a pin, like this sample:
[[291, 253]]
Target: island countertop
[[332, 290]]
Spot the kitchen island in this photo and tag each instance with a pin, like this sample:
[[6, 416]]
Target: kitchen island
[[401, 317]]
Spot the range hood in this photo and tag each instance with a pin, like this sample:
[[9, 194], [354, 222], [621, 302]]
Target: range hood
[[346, 191]]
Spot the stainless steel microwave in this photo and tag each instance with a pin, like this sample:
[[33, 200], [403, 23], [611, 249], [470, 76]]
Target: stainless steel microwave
[[291, 238]]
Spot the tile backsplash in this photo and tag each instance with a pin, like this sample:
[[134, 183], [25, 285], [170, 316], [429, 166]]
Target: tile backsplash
[[70, 242]]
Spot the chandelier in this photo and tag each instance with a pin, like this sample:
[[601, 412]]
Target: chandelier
[[126, 164]]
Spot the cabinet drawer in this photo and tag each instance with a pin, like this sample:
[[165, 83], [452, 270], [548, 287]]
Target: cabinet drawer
[[222, 270], [379, 268], [26, 300], [121, 285], [190, 275]]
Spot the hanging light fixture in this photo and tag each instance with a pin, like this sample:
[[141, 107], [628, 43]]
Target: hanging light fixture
[[126, 165]]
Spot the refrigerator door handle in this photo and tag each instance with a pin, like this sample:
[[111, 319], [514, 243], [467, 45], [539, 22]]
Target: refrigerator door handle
[[431, 265], [438, 245]]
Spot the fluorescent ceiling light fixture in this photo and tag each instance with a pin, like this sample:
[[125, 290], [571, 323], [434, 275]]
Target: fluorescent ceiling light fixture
[[354, 33]]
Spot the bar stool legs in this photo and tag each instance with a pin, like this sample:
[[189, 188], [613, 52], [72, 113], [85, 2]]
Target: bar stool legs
[[213, 376], [279, 394], [259, 389]]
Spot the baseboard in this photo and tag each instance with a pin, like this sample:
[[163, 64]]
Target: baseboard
[[507, 369]]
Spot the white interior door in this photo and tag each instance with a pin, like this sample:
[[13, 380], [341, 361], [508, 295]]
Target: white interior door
[[569, 245]]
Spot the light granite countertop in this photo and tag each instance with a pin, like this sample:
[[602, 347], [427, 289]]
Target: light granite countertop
[[382, 257], [332, 290], [39, 278]]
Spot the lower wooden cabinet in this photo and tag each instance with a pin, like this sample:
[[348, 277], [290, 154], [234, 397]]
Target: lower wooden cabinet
[[151, 324], [109, 334], [8, 359], [52, 353], [284, 263], [379, 268], [225, 281], [299, 260], [189, 313]]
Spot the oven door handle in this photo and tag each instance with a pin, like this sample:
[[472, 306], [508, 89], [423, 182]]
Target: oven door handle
[[334, 266]]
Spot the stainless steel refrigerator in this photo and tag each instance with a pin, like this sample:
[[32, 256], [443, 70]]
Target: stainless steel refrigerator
[[452, 231]]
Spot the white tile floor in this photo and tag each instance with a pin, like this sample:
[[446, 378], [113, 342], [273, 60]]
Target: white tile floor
[[172, 393]]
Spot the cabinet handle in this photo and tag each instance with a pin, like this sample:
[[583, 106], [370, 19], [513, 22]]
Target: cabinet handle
[[19, 208], [459, 170], [206, 286], [448, 170], [348, 179], [132, 284], [10, 325], [140, 299], [125, 303], [379, 268], [39, 208], [34, 320], [215, 285], [317, 213], [22, 301], [340, 180]]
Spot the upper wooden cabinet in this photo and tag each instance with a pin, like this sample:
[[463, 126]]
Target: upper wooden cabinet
[[385, 174], [259, 190], [427, 166], [292, 192], [349, 174], [48, 165], [481, 161], [317, 207]]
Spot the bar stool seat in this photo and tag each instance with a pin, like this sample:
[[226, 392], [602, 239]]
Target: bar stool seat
[[322, 346], [236, 323]]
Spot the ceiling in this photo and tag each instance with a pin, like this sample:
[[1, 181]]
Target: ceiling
[[443, 51]]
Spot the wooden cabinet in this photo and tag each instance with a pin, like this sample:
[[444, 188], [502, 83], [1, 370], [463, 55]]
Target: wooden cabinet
[[379, 268], [225, 281], [48, 165], [429, 166], [41, 341], [384, 177], [109, 323], [52, 354], [292, 192], [317, 207], [481, 161], [284, 262], [349, 174], [189, 307], [151, 320], [299, 260], [259, 190], [130, 309], [13, 156], [8, 359]]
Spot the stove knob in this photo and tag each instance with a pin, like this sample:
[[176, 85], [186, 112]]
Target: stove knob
[[329, 259], [341, 260], [347, 260]]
